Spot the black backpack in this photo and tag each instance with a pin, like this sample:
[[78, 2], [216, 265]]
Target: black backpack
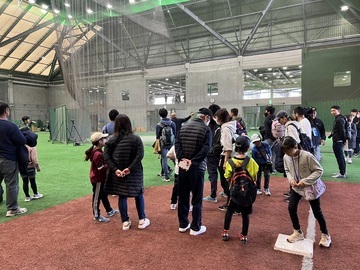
[[242, 187], [279, 155], [240, 127], [167, 136], [305, 141]]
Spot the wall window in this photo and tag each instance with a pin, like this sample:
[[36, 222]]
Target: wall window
[[212, 89], [342, 79], [169, 90]]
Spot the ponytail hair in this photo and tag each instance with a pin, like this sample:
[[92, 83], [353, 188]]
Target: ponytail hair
[[89, 151]]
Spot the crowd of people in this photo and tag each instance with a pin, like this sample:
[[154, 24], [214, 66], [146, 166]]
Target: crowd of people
[[215, 141]]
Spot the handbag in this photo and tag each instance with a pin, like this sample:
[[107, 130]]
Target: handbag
[[156, 146], [314, 191]]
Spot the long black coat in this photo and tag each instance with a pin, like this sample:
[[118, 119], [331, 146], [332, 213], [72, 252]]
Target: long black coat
[[128, 153]]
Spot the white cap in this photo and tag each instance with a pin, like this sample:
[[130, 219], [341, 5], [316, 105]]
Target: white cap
[[255, 138], [98, 136]]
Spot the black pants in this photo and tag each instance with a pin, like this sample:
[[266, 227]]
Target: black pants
[[245, 212], [33, 185], [175, 190], [212, 164], [224, 184], [99, 194], [191, 180], [316, 209]]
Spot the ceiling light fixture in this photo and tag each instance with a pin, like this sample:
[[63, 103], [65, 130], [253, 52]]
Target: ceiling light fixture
[[32, 1], [44, 6], [69, 16], [109, 6], [67, 4], [56, 11], [43, 10], [344, 8], [89, 10]]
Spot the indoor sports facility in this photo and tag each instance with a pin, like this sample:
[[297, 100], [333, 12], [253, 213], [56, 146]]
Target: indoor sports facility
[[67, 63]]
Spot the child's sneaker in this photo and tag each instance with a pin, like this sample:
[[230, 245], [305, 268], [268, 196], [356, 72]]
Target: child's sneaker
[[223, 208], [243, 238], [296, 236], [225, 235], [113, 212], [37, 196], [325, 240], [173, 206], [259, 192], [101, 219], [267, 192], [222, 194], [143, 223], [27, 199], [126, 225]]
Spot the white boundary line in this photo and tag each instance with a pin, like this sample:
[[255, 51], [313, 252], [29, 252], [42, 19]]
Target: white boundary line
[[307, 263]]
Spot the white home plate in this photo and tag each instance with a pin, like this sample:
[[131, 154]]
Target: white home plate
[[304, 247]]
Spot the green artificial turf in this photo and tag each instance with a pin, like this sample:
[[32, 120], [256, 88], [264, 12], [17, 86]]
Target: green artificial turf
[[64, 174]]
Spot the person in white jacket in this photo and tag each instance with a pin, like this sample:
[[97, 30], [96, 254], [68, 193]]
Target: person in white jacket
[[228, 128], [303, 170]]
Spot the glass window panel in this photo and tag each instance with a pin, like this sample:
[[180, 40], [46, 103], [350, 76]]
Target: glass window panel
[[32, 15], [21, 50], [5, 21], [212, 89], [257, 94], [50, 40], [4, 50], [20, 28], [39, 68], [36, 54], [342, 79], [46, 72], [48, 58], [8, 63], [34, 37], [48, 16], [14, 10], [24, 66], [170, 90]]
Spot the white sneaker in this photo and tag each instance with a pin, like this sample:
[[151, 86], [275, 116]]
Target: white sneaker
[[27, 199], [267, 192], [37, 196], [126, 225], [18, 211], [325, 240], [173, 206], [350, 160], [296, 236], [143, 223], [195, 233], [259, 192], [182, 230]]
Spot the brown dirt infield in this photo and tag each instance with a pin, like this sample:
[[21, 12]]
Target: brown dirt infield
[[65, 237]]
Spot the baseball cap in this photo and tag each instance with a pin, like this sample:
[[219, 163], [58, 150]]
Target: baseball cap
[[242, 141], [255, 138], [280, 114], [98, 136], [205, 111]]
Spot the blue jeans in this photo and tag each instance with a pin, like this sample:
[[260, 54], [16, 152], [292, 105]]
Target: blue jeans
[[140, 207], [10, 173], [164, 163], [191, 180], [212, 167], [338, 148]]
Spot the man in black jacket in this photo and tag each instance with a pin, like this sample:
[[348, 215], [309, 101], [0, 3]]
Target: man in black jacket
[[179, 121], [192, 147], [338, 135]]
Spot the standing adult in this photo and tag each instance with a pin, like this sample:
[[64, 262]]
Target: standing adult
[[356, 114], [123, 154], [338, 135], [318, 131], [240, 124], [192, 147], [305, 126], [228, 128], [213, 158], [269, 117], [179, 121], [109, 127], [11, 140], [165, 147]]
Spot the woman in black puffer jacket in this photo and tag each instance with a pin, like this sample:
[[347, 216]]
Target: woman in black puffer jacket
[[123, 154]]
